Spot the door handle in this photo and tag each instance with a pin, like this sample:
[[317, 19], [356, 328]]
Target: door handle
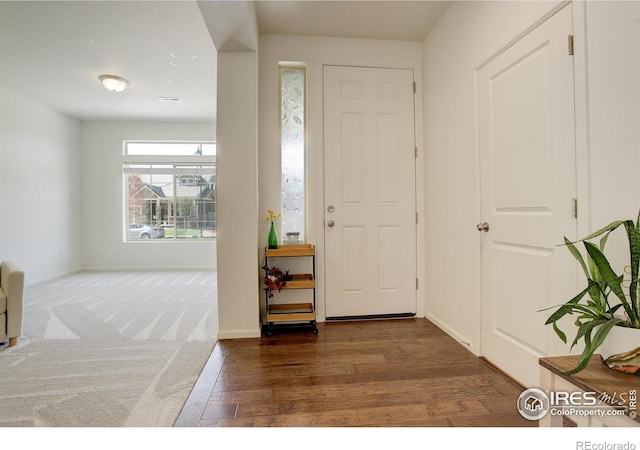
[[484, 226], [331, 224]]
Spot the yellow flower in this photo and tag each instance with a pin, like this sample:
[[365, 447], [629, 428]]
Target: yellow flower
[[272, 215]]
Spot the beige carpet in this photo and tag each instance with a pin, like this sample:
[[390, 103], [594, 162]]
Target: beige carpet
[[109, 350]]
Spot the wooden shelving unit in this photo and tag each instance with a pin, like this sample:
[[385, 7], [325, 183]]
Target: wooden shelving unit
[[290, 315], [291, 250]]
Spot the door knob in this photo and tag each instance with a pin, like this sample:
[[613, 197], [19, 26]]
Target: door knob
[[330, 223], [484, 226]]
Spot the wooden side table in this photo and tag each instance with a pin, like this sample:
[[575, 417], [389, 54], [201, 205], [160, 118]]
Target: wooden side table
[[613, 390]]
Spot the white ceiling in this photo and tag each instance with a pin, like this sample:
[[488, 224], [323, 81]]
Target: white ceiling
[[395, 20], [54, 51]]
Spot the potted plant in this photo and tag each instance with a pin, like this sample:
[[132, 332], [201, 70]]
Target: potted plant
[[607, 301]]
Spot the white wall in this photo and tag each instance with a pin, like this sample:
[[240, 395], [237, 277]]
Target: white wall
[[233, 28], [607, 73], [467, 35], [102, 200], [237, 179], [39, 188], [613, 62], [316, 52]]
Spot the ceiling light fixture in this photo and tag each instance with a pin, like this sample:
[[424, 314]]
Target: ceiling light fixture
[[113, 83]]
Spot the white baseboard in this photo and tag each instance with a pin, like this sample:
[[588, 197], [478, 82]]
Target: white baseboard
[[462, 340], [118, 269], [239, 334], [50, 277], [150, 269]]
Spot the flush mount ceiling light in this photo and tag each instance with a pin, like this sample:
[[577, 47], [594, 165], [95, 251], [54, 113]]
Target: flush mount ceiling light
[[113, 83]]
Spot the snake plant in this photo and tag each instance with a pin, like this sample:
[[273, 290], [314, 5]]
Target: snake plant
[[607, 300]]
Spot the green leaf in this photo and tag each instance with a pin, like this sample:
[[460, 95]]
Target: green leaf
[[560, 333], [597, 291], [602, 333], [577, 255], [584, 357], [580, 367], [634, 250], [587, 328], [603, 241], [567, 307], [582, 363], [609, 228], [613, 310], [612, 280], [590, 346]]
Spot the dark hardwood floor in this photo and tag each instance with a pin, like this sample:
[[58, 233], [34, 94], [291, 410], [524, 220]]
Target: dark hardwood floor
[[386, 373]]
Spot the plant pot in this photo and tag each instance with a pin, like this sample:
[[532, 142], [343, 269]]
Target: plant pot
[[619, 340]]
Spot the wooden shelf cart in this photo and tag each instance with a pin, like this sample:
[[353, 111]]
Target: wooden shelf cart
[[292, 315]]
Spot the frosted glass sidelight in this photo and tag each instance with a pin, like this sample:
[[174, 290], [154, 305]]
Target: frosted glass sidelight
[[293, 150]]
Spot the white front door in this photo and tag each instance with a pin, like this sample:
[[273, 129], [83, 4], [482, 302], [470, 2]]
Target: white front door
[[370, 206], [527, 159]]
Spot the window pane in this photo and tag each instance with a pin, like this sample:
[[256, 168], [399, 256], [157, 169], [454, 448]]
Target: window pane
[[182, 205], [170, 149], [293, 143], [148, 206], [195, 207]]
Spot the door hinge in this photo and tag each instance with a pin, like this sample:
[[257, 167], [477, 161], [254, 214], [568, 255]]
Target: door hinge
[[416, 152], [414, 87], [417, 287], [417, 220], [570, 41], [574, 208]]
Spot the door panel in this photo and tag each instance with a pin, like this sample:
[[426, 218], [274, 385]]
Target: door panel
[[353, 259], [352, 146], [527, 162], [370, 252]]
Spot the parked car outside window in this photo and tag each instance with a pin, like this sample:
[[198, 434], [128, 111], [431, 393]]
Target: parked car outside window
[[141, 231]]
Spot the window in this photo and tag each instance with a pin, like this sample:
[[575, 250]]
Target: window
[[292, 109], [170, 190]]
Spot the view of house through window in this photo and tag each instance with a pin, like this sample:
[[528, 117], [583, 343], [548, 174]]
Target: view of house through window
[[292, 107], [170, 190]]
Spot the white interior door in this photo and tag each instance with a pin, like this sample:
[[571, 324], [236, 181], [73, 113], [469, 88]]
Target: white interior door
[[527, 159], [370, 207]]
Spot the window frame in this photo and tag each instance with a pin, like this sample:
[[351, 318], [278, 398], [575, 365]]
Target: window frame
[[177, 166], [300, 66]]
